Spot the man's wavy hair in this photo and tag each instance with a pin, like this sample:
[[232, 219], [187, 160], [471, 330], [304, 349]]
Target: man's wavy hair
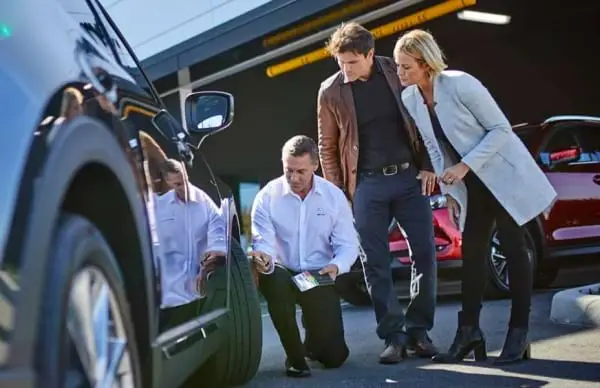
[[350, 37]]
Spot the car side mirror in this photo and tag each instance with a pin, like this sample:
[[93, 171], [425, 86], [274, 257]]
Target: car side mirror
[[564, 156], [207, 113]]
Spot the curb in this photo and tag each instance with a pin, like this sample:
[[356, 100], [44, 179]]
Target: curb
[[577, 306]]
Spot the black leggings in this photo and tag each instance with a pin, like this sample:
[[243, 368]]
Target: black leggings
[[482, 211]]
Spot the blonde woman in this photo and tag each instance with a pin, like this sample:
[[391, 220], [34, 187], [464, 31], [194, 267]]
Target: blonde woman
[[480, 162]]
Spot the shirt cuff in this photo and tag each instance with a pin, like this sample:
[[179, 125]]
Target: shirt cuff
[[343, 266]]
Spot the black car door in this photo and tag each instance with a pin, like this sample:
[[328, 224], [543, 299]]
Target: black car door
[[184, 228]]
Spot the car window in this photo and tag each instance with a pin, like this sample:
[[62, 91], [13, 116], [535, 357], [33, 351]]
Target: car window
[[561, 139], [120, 51], [527, 136], [589, 137], [81, 12]]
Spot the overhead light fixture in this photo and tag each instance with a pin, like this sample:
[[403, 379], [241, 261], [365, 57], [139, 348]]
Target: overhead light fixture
[[484, 17]]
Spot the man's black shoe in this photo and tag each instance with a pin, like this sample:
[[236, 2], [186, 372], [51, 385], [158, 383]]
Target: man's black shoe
[[421, 345], [392, 354], [301, 370]]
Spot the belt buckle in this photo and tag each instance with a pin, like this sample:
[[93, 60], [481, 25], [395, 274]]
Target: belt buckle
[[390, 170]]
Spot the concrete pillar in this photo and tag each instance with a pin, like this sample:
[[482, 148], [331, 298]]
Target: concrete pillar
[[183, 80]]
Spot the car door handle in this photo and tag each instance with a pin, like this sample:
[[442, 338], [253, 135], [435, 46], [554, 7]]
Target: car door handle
[[596, 179]]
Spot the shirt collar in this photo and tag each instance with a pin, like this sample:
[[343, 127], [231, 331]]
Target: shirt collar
[[193, 196], [317, 186]]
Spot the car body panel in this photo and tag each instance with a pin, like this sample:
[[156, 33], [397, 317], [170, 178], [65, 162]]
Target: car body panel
[[70, 61], [572, 224]]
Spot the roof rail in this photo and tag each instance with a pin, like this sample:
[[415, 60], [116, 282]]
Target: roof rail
[[554, 119]]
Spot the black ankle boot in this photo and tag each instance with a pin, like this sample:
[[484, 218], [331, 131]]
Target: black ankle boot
[[516, 347], [468, 339]]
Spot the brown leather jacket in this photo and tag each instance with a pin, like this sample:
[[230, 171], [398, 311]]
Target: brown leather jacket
[[338, 128]]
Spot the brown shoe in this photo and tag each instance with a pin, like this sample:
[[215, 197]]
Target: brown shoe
[[421, 345], [392, 354]]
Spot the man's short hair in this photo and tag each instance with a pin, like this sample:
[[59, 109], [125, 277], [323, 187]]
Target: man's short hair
[[170, 166], [301, 145], [350, 37]]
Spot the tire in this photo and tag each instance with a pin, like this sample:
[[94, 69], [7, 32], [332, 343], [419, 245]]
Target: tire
[[353, 289], [238, 357], [498, 284], [80, 257]]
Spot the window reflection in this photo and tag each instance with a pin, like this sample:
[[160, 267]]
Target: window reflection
[[192, 233]]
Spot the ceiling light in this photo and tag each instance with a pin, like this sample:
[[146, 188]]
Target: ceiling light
[[484, 17]]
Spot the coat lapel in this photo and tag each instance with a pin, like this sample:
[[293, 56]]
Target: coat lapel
[[423, 121], [392, 79]]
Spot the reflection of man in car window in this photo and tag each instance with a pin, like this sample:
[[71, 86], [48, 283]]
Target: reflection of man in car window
[[191, 231]]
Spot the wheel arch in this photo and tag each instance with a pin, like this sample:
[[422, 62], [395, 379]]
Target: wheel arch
[[77, 152]]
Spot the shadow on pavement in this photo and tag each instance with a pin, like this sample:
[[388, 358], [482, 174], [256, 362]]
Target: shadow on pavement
[[410, 374], [569, 370]]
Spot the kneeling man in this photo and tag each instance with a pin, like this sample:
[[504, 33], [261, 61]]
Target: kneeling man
[[301, 222]]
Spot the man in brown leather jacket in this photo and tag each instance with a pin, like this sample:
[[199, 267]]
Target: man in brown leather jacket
[[370, 148]]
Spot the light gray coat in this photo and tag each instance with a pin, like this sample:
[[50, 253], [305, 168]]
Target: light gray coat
[[480, 132]]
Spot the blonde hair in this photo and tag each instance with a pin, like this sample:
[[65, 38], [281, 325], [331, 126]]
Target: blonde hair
[[422, 46]]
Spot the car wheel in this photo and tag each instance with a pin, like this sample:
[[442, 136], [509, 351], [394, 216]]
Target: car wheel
[[237, 360], [353, 289], [498, 265], [86, 333]]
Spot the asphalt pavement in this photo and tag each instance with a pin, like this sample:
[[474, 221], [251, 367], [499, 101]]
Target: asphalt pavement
[[563, 356]]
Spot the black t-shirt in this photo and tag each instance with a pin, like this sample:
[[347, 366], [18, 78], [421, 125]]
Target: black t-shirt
[[383, 140]]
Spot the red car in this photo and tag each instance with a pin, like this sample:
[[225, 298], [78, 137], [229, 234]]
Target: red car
[[352, 287], [567, 149]]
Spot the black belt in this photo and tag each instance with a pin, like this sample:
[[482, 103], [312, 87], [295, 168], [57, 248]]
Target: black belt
[[390, 170]]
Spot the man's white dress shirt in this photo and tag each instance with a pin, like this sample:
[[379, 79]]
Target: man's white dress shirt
[[304, 234], [186, 230]]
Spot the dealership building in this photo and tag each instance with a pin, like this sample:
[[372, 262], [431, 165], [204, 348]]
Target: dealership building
[[539, 58]]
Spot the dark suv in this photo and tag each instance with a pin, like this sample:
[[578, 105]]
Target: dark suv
[[120, 261]]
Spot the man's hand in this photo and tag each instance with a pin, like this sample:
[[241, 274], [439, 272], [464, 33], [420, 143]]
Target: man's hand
[[201, 281], [428, 180], [210, 260], [454, 174], [263, 262], [331, 270], [453, 210], [208, 264]]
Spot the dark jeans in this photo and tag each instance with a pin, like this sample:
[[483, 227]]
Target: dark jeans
[[482, 211], [322, 316], [377, 199]]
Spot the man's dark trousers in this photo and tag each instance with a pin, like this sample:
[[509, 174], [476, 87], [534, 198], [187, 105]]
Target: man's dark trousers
[[322, 316], [377, 199]]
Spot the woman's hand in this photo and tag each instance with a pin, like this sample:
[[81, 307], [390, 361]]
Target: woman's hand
[[454, 174], [453, 210], [428, 180]]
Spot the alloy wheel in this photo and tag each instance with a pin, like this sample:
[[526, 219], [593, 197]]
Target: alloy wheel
[[98, 345], [499, 263]]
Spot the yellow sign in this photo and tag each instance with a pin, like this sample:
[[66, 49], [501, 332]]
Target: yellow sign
[[379, 32], [320, 21]]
